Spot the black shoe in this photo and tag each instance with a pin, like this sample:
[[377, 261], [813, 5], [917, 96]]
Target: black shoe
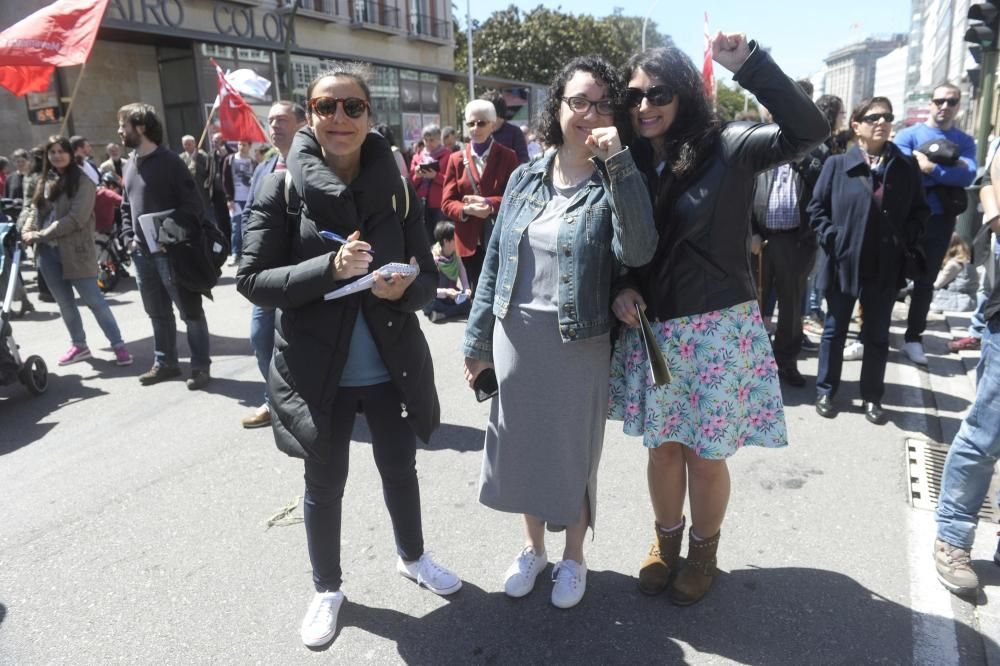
[[824, 407], [808, 344], [199, 380], [874, 413], [157, 374], [792, 376], [46, 297]]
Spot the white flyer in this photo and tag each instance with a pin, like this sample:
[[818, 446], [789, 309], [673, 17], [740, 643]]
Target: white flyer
[[367, 281], [149, 222]]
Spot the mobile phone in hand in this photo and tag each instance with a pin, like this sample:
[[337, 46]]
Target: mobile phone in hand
[[485, 385]]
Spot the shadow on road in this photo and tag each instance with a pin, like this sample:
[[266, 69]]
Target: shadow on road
[[753, 616], [30, 409], [3, 613], [448, 436]]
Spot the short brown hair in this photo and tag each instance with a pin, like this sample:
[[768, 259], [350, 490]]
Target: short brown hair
[[861, 110], [139, 114]]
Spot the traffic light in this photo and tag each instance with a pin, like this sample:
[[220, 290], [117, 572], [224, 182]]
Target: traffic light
[[984, 24]]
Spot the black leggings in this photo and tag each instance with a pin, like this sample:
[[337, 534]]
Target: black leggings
[[395, 447]]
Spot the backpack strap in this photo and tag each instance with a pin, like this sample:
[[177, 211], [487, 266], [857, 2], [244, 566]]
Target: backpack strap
[[293, 205], [406, 199]]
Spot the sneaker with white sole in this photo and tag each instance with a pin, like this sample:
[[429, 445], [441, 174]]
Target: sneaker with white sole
[[854, 352], [430, 574], [519, 579], [320, 622], [915, 352], [73, 354], [570, 580]]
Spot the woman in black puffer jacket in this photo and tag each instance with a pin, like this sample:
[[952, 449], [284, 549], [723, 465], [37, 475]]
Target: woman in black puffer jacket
[[363, 352]]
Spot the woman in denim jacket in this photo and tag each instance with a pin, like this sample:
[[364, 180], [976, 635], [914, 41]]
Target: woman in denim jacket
[[541, 317]]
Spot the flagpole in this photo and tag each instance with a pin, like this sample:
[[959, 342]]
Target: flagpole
[[211, 112], [72, 98]]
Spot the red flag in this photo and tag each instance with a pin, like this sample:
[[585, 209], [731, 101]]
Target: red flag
[[60, 35], [236, 119], [707, 70]]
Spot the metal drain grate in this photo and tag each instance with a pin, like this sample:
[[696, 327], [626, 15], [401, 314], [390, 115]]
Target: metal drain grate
[[926, 464]]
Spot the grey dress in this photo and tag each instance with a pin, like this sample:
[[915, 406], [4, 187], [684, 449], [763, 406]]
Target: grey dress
[[546, 430]]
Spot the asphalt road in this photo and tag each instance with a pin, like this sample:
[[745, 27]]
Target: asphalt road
[[132, 530]]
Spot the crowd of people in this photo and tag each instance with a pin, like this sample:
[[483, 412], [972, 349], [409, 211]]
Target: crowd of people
[[629, 224]]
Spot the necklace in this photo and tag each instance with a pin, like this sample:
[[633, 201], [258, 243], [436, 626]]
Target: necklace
[[562, 181]]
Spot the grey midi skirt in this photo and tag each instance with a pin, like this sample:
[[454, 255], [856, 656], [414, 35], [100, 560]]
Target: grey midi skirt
[[546, 430]]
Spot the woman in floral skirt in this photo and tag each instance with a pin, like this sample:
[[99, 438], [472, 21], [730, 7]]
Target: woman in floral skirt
[[699, 295]]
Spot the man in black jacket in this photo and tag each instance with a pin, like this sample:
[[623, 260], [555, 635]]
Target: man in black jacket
[[156, 181]]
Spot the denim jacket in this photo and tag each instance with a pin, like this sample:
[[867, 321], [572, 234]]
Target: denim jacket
[[608, 222]]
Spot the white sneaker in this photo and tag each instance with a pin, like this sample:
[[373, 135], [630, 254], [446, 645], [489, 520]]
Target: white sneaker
[[320, 622], [854, 352], [915, 352], [570, 580], [519, 579], [232, 260], [430, 574]]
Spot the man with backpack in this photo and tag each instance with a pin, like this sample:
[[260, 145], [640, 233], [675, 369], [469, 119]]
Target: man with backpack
[[158, 184]]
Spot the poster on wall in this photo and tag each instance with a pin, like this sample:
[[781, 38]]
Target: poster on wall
[[412, 127]]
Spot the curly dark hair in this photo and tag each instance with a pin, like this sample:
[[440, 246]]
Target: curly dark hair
[[691, 138], [606, 74], [831, 106]]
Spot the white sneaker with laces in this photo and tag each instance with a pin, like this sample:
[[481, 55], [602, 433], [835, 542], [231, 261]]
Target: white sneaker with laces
[[320, 622], [915, 352], [854, 352], [519, 579], [232, 260], [430, 574], [570, 580]]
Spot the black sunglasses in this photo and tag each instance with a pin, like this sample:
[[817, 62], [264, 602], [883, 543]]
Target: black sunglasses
[[873, 118], [582, 105], [354, 107], [657, 96], [945, 101], [476, 123]]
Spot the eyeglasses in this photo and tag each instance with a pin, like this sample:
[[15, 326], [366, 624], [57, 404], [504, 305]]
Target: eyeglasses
[[476, 123], [657, 96], [945, 101], [873, 118], [354, 107], [582, 105]]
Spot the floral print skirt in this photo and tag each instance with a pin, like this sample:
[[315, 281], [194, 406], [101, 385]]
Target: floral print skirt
[[725, 392]]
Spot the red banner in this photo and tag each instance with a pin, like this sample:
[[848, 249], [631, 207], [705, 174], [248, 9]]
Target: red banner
[[707, 69], [237, 120], [60, 35]]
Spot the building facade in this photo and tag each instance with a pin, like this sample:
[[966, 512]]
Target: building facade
[[850, 71], [161, 51], [890, 78]]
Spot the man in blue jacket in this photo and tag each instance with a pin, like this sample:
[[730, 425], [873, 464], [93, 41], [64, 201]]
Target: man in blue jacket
[[283, 121], [940, 125]]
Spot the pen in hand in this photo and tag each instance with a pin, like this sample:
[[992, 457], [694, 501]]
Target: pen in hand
[[329, 235]]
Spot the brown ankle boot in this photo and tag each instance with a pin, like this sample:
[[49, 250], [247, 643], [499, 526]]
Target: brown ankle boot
[[696, 576], [660, 564]]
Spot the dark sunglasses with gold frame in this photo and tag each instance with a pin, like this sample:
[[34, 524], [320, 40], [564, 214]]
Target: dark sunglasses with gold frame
[[354, 107]]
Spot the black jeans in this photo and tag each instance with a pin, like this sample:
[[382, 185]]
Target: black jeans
[[937, 237], [787, 263], [877, 303], [395, 447]]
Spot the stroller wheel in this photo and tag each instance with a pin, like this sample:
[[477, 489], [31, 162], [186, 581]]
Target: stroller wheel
[[34, 375]]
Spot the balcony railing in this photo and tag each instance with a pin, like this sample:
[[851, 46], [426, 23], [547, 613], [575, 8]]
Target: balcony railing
[[424, 25], [368, 12]]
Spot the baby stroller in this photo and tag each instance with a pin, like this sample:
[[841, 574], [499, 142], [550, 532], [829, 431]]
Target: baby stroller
[[32, 372]]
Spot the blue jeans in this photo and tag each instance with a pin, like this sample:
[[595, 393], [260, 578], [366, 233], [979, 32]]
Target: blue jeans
[[978, 324], [236, 235], [158, 292], [969, 467], [936, 240], [51, 267], [448, 307], [262, 340]]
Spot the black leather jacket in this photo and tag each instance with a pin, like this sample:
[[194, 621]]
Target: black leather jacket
[[702, 261]]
